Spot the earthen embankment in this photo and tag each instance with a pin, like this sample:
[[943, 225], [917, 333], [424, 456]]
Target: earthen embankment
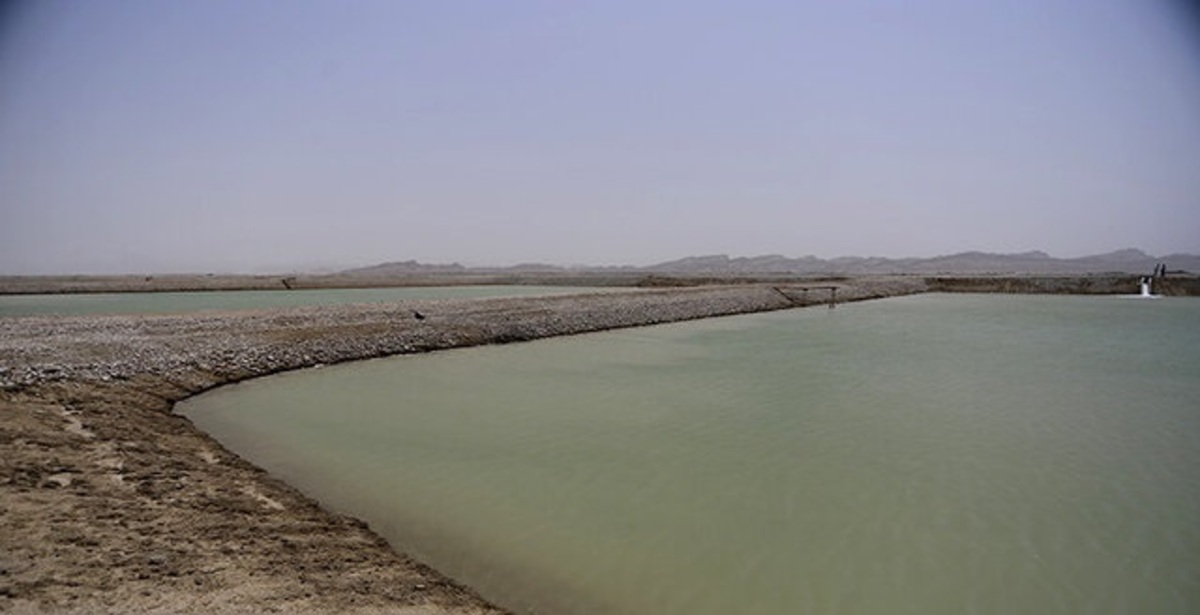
[[111, 503], [1116, 284]]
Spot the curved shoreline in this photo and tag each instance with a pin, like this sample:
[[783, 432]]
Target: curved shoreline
[[111, 503]]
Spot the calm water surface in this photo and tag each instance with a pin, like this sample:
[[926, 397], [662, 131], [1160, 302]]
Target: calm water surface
[[183, 302], [929, 454]]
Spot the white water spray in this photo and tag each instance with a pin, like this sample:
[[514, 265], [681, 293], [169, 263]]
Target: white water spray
[[1146, 289]]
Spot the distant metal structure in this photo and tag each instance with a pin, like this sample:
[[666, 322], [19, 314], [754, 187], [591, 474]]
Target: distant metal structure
[[804, 289]]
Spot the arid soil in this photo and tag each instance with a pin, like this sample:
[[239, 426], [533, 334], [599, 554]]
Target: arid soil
[[110, 503]]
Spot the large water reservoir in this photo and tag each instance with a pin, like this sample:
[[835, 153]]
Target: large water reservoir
[[925, 454]]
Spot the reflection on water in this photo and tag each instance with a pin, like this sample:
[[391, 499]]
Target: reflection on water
[[944, 454], [183, 302]]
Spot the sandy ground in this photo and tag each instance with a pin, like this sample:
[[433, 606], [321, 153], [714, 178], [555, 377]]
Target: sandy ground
[[110, 503]]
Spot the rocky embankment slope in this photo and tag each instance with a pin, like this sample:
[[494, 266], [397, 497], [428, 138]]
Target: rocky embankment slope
[[1172, 285], [110, 503]]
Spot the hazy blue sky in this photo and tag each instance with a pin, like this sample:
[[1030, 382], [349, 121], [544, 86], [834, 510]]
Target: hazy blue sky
[[239, 135]]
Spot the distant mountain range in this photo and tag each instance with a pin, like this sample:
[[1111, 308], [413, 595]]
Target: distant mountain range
[[1122, 261]]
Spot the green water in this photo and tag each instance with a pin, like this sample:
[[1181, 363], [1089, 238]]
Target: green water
[[928, 454], [183, 302]]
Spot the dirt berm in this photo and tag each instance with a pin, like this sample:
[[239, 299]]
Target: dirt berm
[[110, 503]]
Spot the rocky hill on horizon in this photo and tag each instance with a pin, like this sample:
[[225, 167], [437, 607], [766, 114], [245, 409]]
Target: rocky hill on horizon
[[1128, 261]]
